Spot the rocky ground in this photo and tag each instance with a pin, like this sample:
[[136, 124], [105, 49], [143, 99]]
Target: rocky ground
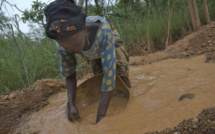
[[16, 105], [204, 123]]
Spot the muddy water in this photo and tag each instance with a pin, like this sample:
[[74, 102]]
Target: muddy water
[[154, 105]]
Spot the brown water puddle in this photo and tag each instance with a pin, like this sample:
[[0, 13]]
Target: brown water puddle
[[154, 105]]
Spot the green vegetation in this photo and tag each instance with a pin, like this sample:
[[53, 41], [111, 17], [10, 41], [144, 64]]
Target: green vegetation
[[23, 61], [133, 26], [143, 25]]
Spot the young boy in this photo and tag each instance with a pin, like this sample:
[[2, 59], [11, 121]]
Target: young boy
[[93, 38]]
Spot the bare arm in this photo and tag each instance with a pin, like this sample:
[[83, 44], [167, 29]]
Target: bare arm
[[103, 105], [71, 85]]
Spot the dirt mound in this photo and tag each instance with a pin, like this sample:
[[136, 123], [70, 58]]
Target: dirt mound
[[204, 123], [19, 103], [200, 42]]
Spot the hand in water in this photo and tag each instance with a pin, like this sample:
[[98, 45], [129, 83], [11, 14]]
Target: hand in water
[[99, 118], [103, 105], [73, 113]]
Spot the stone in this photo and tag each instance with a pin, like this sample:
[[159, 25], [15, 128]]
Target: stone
[[204, 44], [195, 120], [12, 95], [6, 97]]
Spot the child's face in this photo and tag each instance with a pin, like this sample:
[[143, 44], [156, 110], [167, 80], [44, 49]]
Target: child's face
[[74, 43]]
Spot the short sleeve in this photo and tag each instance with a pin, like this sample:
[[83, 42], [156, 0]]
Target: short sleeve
[[67, 61]]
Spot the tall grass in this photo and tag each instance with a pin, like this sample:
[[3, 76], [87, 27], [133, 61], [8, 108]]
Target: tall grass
[[133, 31], [23, 63], [133, 28]]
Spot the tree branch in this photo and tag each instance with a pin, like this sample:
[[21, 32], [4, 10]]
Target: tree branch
[[13, 5]]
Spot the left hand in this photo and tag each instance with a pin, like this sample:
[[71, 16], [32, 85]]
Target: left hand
[[103, 105]]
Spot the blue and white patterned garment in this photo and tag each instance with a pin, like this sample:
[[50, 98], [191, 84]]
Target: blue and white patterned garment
[[103, 47]]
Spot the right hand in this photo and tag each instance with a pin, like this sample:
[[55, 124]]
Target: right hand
[[73, 113]]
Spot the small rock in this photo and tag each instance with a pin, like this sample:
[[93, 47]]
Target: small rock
[[62, 89], [6, 97], [12, 95], [184, 54], [37, 88], [195, 126], [200, 52], [51, 85], [185, 48], [209, 41], [210, 48], [204, 44], [195, 120], [167, 130], [186, 96]]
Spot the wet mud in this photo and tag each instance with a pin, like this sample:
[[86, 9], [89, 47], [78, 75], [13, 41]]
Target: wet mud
[[153, 106]]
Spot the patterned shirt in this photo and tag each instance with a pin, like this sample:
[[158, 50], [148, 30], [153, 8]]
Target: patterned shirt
[[103, 47]]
